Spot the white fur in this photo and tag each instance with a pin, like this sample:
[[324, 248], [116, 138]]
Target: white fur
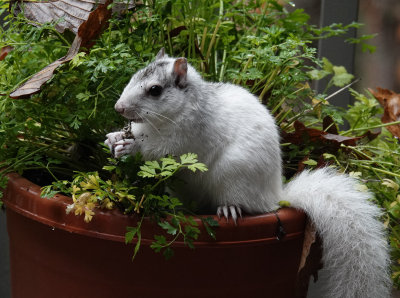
[[236, 136], [355, 250]]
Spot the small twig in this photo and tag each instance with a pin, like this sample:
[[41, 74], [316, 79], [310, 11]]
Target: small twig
[[342, 89]]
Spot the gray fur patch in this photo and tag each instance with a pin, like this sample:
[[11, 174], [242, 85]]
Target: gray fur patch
[[155, 67]]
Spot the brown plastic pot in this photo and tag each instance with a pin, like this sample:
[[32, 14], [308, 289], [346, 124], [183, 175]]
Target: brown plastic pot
[[58, 255]]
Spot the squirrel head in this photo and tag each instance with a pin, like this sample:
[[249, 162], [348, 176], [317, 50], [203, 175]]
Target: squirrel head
[[159, 91]]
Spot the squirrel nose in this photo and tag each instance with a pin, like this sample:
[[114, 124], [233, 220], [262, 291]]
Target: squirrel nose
[[119, 108]]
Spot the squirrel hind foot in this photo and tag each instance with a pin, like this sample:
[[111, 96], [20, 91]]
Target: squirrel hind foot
[[234, 212]]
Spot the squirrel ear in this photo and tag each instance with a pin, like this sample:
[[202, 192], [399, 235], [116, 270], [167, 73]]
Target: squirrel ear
[[160, 53], [180, 72]]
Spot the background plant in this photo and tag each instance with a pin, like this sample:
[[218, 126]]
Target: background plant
[[262, 45], [64, 123]]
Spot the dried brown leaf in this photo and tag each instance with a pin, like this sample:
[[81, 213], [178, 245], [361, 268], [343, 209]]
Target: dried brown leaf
[[176, 31], [321, 142], [67, 14], [322, 139], [304, 134], [329, 125], [34, 84], [391, 104], [310, 235], [94, 25], [4, 52], [311, 260], [88, 30]]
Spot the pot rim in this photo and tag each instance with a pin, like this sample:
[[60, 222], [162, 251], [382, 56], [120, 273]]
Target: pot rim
[[23, 197]]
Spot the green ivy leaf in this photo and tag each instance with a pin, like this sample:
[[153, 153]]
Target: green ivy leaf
[[77, 60], [327, 65], [109, 168], [168, 227], [341, 77], [191, 232], [208, 223], [174, 202], [310, 162], [175, 221], [138, 243], [76, 123], [198, 166], [189, 158], [147, 172], [48, 193], [156, 246], [153, 164], [168, 162], [166, 173], [83, 96], [316, 74], [189, 219], [159, 243], [130, 234]]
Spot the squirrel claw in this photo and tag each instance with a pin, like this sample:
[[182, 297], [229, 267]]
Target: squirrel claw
[[113, 138], [234, 211], [123, 147]]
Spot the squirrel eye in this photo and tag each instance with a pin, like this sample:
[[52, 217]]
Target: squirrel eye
[[155, 90]]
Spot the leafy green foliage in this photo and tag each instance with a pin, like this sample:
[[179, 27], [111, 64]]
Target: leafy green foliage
[[209, 223], [178, 225], [364, 112], [58, 130], [168, 166], [65, 121], [146, 197]]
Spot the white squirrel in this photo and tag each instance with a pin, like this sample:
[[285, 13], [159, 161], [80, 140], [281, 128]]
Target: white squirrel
[[174, 111]]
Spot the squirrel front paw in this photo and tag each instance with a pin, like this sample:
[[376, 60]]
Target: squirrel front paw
[[114, 137], [118, 143], [226, 210], [123, 147]]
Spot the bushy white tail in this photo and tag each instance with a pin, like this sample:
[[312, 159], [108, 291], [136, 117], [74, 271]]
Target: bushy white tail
[[355, 249]]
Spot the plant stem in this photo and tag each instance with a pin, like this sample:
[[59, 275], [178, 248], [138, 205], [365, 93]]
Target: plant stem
[[62, 38], [372, 127], [379, 170], [379, 149], [278, 105], [244, 69], [222, 72], [358, 151], [213, 39], [203, 39], [284, 116], [268, 84]]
